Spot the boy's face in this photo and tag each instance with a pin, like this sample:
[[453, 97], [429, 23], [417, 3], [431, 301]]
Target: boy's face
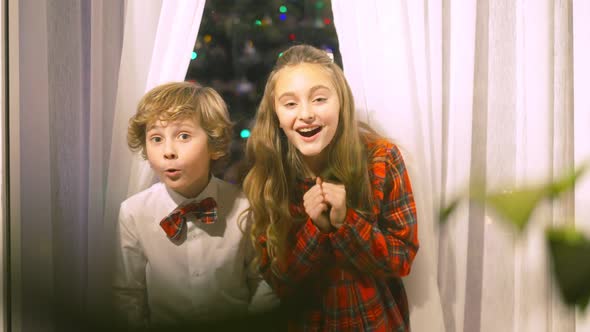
[[308, 110], [178, 152]]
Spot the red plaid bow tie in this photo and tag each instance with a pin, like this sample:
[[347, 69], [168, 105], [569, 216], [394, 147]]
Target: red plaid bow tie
[[205, 212]]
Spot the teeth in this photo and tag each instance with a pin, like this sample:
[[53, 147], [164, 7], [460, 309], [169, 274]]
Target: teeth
[[306, 130]]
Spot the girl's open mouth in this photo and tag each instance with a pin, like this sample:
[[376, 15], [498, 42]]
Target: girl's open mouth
[[309, 132]]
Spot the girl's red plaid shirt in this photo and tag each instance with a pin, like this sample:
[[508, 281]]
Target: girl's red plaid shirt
[[350, 279]]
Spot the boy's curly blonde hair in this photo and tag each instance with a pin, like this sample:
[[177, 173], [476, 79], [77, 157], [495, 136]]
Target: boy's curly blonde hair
[[177, 101]]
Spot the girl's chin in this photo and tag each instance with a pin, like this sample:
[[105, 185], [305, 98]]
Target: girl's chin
[[309, 153], [311, 150]]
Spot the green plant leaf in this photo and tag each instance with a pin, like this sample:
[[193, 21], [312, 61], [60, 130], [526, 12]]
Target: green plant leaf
[[444, 214], [570, 255], [516, 206], [566, 182]]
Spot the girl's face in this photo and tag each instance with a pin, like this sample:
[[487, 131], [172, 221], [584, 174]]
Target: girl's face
[[308, 109]]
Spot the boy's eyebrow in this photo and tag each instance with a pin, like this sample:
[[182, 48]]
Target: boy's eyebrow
[[312, 90], [152, 126], [171, 123]]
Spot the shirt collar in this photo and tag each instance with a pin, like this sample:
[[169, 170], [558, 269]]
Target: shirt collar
[[209, 191], [305, 182]]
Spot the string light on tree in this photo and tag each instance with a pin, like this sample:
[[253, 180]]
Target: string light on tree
[[194, 55], [245, 133]]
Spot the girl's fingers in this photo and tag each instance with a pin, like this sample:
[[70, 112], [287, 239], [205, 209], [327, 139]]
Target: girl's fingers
[[316, 212], [313, 198], [321, 220], [334, 194], [312, 192]]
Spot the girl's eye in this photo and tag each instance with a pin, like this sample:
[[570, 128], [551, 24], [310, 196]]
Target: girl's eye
[[290, 104], [320, 99]]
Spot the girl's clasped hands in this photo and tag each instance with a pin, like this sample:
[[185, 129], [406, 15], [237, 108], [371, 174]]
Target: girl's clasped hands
[[325, 203]]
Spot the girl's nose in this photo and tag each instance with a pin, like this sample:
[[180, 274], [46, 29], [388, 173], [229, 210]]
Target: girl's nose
[[305, 113]]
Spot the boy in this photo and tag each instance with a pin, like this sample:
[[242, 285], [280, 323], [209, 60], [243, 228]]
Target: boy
[[174, 268]]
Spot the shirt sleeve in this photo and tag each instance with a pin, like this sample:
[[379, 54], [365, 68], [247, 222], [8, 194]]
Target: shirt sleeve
[[309, 248], [387, 246], [262, 297], [129, 285]]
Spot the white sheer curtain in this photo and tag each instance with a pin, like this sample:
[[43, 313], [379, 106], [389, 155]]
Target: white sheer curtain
[[478, 91], [64, 58], [78, 69]]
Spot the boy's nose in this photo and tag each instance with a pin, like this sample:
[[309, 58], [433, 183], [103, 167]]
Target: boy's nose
[[170, 152], [170, 155]]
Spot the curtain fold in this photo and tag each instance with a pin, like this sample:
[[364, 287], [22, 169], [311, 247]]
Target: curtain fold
[[104, 24]]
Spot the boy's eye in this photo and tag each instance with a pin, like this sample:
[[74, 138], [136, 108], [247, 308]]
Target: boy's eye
[[156, 139], [184, 136]]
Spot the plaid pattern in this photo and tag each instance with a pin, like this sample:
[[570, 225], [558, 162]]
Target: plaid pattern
[[205, 211], [350, 279]]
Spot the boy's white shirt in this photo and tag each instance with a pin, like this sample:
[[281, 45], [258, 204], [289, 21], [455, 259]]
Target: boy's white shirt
[[206, 277]]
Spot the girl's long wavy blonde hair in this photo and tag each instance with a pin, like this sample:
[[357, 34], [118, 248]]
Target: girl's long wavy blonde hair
[[275, 163]]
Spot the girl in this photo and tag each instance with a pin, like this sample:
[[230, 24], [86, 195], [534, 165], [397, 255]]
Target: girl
[[332, 211]]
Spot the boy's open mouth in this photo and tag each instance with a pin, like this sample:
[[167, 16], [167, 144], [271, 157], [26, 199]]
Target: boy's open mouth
[[309, 132]]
